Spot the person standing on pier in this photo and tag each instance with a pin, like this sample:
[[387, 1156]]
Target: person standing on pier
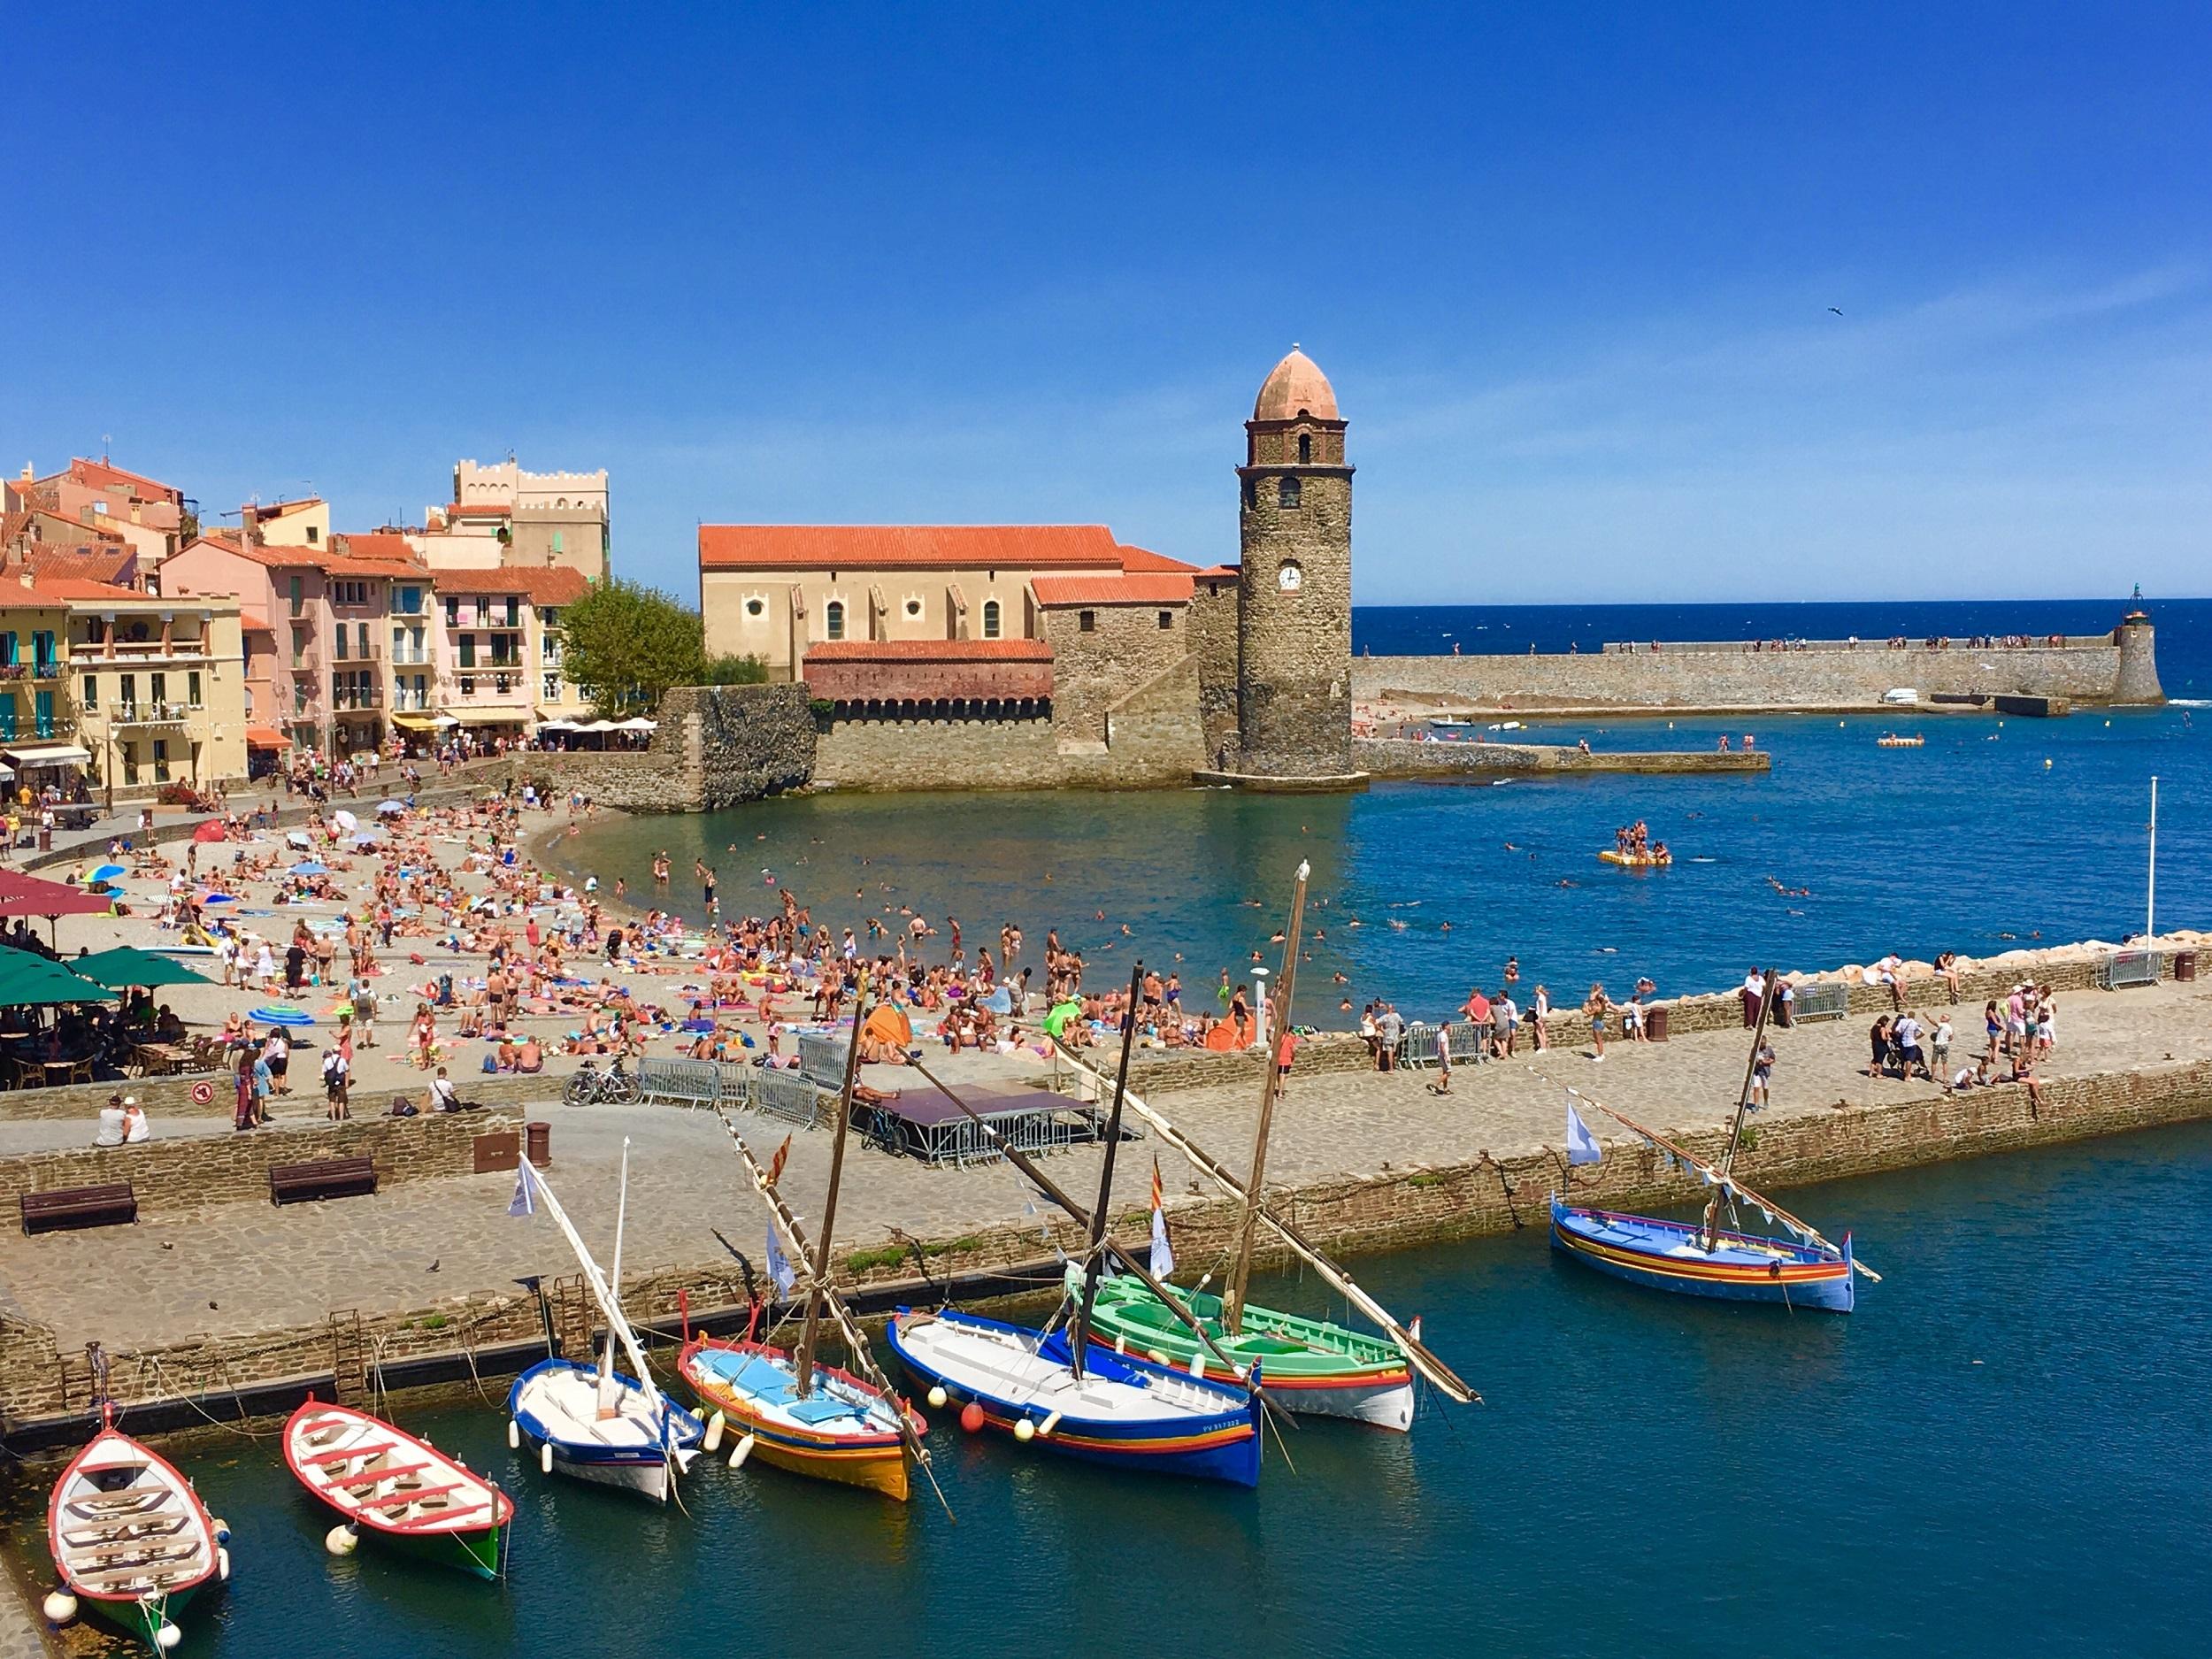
[[1595, 1006]]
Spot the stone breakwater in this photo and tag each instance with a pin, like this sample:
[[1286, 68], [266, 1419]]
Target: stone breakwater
[[2121, 668], [1407, 758]]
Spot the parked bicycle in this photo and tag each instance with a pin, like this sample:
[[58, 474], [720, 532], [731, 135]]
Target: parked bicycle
[[591, 1086]]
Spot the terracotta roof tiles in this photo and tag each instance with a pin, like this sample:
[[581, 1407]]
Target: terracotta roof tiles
[[929, 651], [1113, 590], [893, 547]]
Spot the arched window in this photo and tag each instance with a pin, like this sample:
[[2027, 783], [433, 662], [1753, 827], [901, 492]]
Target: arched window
[[834, 618], [1305, 446], [990, 618], [1287, 492]]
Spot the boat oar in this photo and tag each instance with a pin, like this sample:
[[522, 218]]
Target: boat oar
[[1050, 1188]]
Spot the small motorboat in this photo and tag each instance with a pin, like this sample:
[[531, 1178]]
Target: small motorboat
[[1115, 1408], [399, 1488], [132, 1540]]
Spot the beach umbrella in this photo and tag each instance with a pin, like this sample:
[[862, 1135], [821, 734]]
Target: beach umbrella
[[386, 809], [219, 898], [30, 980], [364, 841], [280, 1014], [345, 821], [126, 965], [108, 872], [297, 838], [211, 831], [1059, 1016], [308, 867]]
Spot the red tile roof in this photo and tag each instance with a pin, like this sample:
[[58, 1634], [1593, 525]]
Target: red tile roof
[[929, 651], [376, 544], [540, 584], [280, 509], [374, 569], [254, 622], [76, 588], [1143, 561], [742, 547], [1111, 590], [94, 564], [481, 510], [102, 473]]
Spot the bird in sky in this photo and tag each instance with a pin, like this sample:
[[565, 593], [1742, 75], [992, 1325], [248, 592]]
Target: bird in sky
[[1837, 309]]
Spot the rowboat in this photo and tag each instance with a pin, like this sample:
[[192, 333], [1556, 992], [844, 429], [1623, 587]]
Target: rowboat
[[1115, 1408], [844, 1429], [1891, 739], [397, 1488], [1676, 1255], [591, 1421], [1310, 1365], [132, 1540], [1636, 861]]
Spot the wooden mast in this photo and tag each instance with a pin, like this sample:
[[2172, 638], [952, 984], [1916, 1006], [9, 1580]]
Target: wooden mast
[[1271, 1078], [1743, 1105], [1094, 1258], [805, 1378]]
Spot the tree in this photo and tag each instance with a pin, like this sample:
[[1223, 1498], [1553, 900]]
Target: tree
[[625, 644]]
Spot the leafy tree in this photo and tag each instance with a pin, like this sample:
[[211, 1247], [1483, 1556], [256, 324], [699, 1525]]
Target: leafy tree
[[626, 644]]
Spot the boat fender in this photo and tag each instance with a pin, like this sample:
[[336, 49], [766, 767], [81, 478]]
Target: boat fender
[[740, 1452], [168, 1636], [1198, 1363], [937, 1396], [514, 1435], [59, 1607], [1121, 1343], [1774, 1270], [545, 1458], [972, 1416], [222, 1565], [341, 1540], [221, 1529], [713, 1442], [1155, 1357], [1025, 1430], [1049, 1424]]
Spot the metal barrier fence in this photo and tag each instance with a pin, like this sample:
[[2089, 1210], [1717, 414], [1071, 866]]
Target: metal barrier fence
[[1466, 1043], [1831, 1000], [2124, 968], [696, 1083]]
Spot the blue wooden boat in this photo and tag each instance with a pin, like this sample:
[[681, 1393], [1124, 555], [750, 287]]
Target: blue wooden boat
[[1678, 1255], [1126, 1412]]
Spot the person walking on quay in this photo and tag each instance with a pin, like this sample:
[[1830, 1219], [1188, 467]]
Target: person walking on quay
[[1754, 991], [1877, 1040], [1906, 1033], [1595, 1006], [1390, 1031], [1994, 1027], [1284, 1051], [1539, 1015], [1762, 1075], [1941, 1040], [1443, 1084]]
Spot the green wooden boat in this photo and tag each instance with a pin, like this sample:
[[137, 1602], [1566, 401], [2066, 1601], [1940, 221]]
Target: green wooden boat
[[1306, 1365]]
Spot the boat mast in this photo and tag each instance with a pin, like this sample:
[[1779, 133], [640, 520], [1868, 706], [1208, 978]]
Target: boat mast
[[611, 1396], [1271, 1078], [1743, 1105], [1094, 1258], [595, 1282], [805, 1378]]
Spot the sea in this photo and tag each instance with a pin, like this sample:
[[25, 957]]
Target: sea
[[2002, 1451], [2001, 833]]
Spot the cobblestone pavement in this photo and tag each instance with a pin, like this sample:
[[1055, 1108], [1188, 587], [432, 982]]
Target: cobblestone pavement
[[240, 1268]]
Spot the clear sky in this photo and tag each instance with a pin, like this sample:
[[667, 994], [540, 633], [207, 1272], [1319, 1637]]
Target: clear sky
[[1570, 269]]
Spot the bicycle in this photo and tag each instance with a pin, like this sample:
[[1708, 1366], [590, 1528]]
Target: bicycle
[[590, 1087]]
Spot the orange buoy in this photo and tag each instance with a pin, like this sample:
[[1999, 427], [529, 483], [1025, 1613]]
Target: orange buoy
[[972, 1416]]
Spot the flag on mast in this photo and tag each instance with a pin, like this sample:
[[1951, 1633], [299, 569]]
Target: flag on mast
[[1163, 1254], [525, 1202], [779, 1269], [1582, 1146]]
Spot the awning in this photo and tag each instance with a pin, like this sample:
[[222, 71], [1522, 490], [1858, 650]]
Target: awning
[[266, 737], [556, 726], [48, 755], [487, 716], [413, 722]]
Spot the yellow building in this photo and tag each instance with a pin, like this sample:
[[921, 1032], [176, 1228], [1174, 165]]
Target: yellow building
[[158, 684], [301, 523]]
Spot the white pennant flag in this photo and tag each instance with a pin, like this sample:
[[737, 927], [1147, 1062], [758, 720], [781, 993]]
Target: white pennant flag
[[779, 1269], [1163, 1261]]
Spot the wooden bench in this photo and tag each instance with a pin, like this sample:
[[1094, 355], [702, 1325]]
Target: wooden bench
[[80, 1207], [327, 1177]]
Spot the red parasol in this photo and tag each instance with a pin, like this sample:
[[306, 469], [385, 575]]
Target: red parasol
[[211, 831], [28, 895]]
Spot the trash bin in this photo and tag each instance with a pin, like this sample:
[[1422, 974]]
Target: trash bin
[[2184, 964], [1655, 1025], [538, 1144]]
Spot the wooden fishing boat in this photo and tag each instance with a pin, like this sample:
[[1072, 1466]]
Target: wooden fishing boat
[[131, 1538], [843, 1429], [1678, 1256], [1115, 1410], [397, 1488], [591, 1421], [1702, 1258], [1636, 861], [1310, 1365], [1891, 739]]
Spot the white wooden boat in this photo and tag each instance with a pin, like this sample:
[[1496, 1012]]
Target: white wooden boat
[[131, 1538], [399, 1488]]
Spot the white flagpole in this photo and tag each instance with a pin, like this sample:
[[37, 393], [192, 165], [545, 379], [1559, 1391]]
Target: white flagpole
[[2150, 889]]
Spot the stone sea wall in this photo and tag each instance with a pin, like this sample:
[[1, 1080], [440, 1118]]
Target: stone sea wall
[[1675, 677], [717, 746], [1407, 758]]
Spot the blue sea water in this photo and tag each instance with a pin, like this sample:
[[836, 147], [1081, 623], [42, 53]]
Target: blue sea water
[[2000, 1454], [2002, 833]]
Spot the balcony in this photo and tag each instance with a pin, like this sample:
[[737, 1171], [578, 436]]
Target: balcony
[[358, 697], [50, 669], [342, 652], [152, 650], [308, 662], [149, 713]]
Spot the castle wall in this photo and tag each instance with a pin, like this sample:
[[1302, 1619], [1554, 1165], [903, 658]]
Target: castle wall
[[1213, 640], [930, 754], [2082, 671]]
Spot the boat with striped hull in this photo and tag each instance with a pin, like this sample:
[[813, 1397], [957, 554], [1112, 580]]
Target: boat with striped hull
[[1678, 1255]]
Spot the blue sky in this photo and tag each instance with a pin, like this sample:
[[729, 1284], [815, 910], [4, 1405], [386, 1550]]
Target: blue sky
[[1569, 268]]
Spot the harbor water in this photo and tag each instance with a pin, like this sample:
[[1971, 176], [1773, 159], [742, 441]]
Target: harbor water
[[2002, 1453]]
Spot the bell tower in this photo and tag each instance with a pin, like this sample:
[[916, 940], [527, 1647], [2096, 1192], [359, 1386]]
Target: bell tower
[[1294, 589]]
